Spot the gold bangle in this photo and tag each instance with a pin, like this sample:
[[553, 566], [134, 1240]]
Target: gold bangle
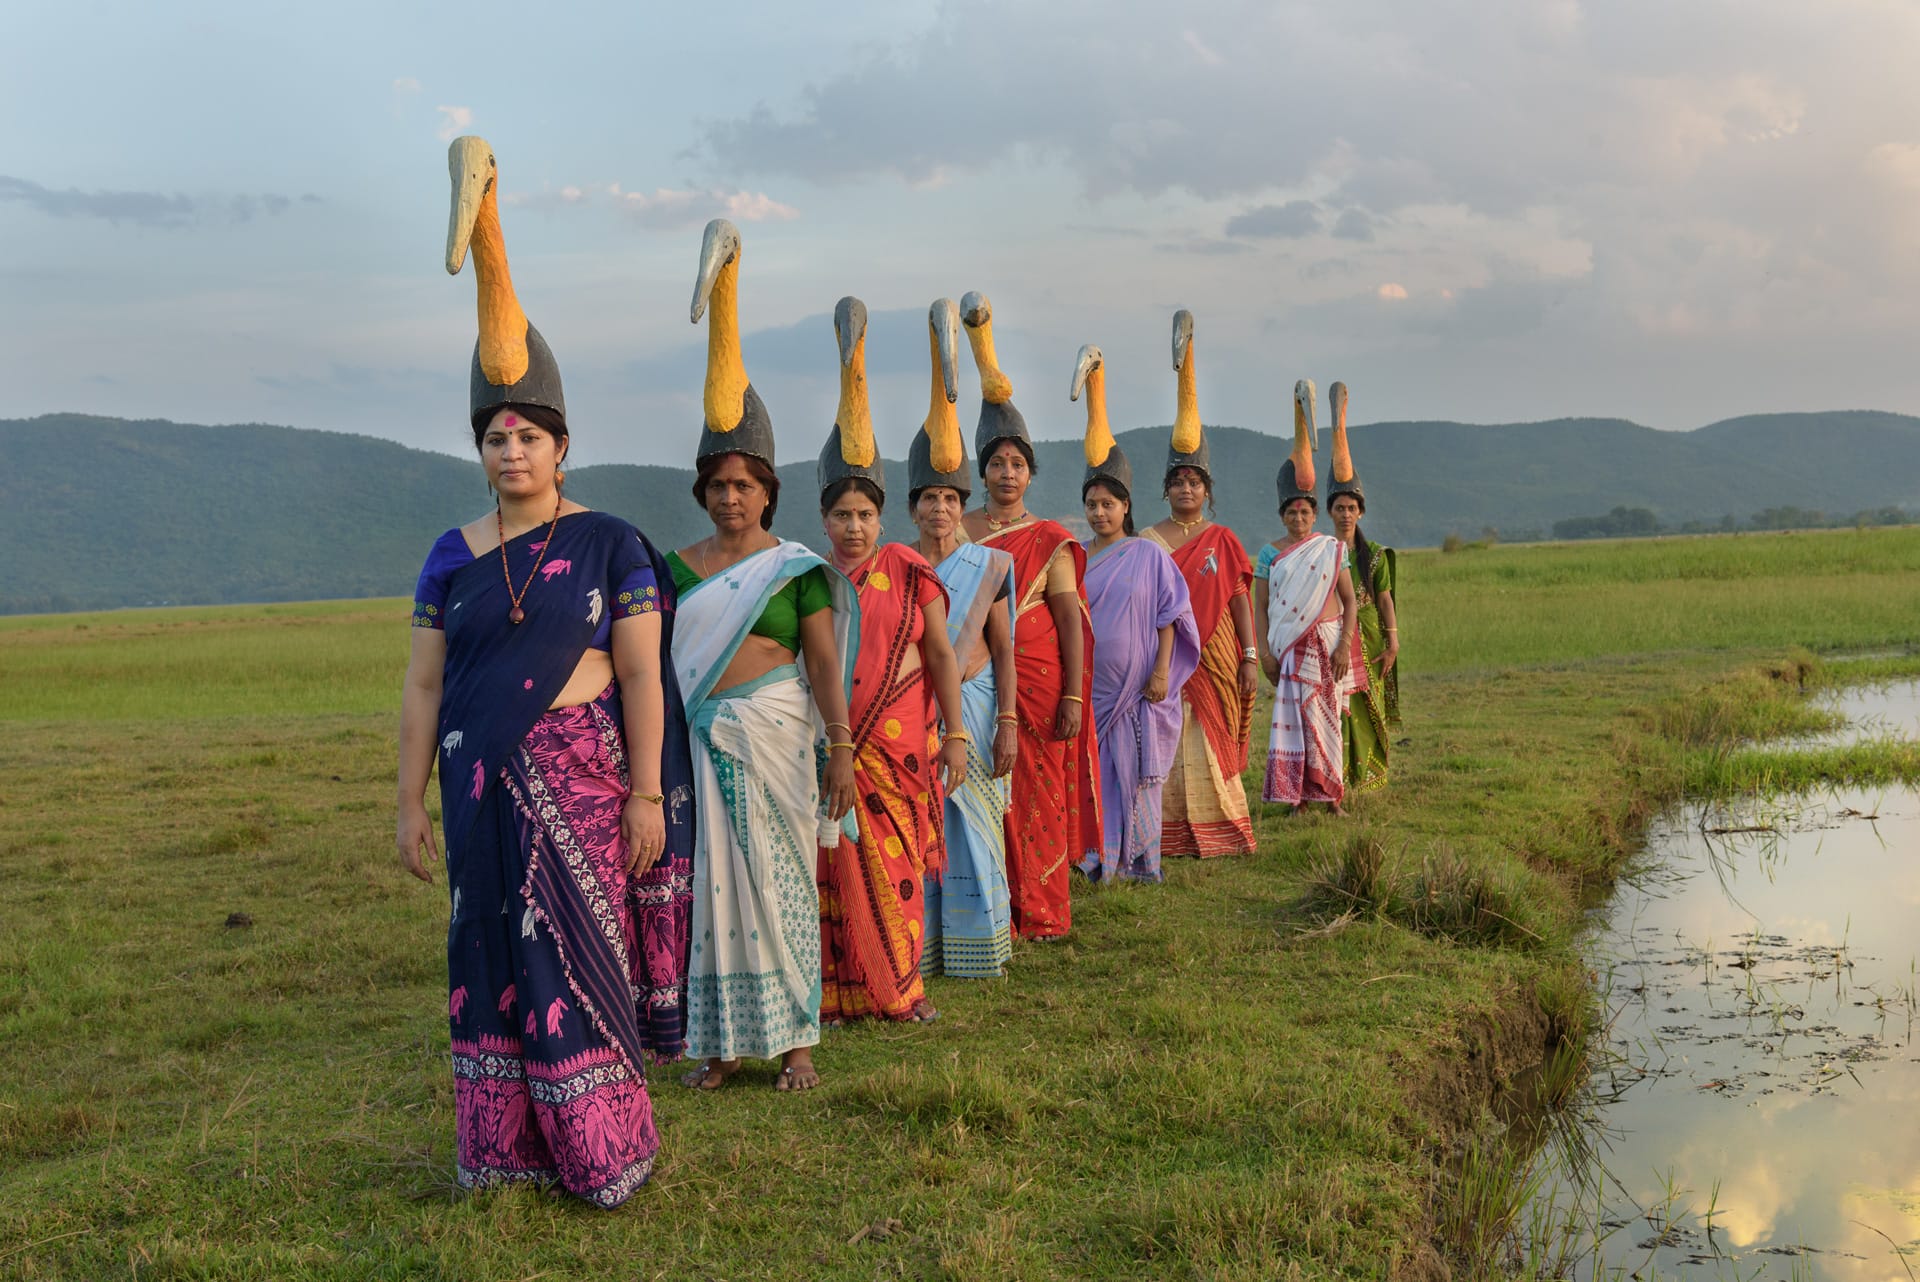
[[838, 725], [657, 798], [961, 735], [849, 747], [1011, 718], [1071, 697]]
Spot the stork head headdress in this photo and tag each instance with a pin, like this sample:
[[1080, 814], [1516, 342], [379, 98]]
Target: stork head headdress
[[850, 451], [999, 420], [938, 455], [1188, 447], [1296, 474], [735, 422], [1341, 478], [1106, 461], [512, 364]]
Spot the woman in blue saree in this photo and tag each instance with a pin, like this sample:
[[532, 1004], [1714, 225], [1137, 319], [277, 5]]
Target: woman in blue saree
[[968, 906], [566, 799], [539, 681]]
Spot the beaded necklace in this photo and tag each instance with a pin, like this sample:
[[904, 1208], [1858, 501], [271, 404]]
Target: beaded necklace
[[516, 614]]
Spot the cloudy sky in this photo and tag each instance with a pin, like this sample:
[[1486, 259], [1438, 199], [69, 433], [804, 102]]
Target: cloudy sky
[[1668, 210]]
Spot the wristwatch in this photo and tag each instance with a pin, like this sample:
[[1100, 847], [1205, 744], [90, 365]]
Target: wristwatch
[[1250, 654]]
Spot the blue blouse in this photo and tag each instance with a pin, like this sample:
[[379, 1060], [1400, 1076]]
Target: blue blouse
[[637, 593]]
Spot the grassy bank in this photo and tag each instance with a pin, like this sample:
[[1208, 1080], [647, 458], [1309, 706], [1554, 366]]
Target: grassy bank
[[1254, 1070]]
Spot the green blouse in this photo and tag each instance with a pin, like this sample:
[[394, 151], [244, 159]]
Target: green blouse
[[780, 620]]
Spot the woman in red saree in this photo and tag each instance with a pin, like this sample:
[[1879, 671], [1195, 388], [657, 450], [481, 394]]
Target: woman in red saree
[[1205, 797], [1054, 821], [872, 901]]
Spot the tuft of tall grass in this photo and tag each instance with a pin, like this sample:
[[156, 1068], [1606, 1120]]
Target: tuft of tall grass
[[1493, 1183], [1472, 902], [1355, 880]]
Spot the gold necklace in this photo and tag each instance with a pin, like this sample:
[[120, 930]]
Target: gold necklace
[[1006, 524], [1187, 527]]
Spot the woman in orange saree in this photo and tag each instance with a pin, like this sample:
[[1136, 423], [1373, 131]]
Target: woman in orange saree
[[1205, 798], [872, 882]]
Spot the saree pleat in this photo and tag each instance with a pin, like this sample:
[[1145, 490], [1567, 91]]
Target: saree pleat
[[969, 911], [872, 888], [1054, 820], [1205, 797], [754, 977]]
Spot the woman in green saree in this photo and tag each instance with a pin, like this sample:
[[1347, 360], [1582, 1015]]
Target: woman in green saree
[[1373, 709]]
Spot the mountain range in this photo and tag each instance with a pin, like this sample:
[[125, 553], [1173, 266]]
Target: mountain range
[[102, 512]]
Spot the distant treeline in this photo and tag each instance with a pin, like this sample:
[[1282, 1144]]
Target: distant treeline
[[1639, 522], [127, 513]]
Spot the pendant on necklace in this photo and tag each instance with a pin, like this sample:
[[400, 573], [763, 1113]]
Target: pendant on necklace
[[516, 615]]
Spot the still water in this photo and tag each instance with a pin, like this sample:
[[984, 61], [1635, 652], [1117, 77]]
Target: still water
[[1754, 1106]]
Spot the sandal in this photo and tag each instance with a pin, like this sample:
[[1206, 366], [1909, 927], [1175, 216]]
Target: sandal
[[801, 1078], [923, 1012], [710, 1076]]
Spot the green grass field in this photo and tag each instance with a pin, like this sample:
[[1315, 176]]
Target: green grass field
[[1229, 1076]]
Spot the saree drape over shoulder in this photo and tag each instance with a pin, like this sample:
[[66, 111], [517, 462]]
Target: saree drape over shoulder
[[753, 977], [1205, 796], [872, 886], [565, 974], [969, 914], [1134, 590], [1304, 758], [1373, 709], [1054, 820]]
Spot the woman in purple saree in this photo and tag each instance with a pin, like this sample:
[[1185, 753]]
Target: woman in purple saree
[[1145, 645]]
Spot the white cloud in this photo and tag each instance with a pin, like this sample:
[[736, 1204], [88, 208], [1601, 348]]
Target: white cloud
[[453, 122], [1202, 49], [1896, 163], [1392, 291], [664, 206]]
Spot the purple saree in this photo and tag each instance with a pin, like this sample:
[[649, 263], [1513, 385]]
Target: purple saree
[[1133, 590], [565, 974]]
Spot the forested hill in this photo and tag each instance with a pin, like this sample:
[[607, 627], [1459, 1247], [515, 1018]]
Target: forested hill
[[99, 512]]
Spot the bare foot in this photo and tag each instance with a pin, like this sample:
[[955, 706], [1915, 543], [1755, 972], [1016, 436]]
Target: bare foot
[[796, 1071], [924, 1012], [711, 1075]]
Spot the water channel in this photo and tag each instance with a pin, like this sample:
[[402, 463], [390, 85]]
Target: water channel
[[1753, 1110]]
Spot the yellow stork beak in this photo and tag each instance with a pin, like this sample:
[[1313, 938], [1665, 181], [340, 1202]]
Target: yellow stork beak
[[719, 247], [471, 165], [1089, 360], [943, 319], [854, 418]]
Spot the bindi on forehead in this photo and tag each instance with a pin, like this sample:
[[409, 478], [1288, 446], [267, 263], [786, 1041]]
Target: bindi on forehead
[[513, 420]]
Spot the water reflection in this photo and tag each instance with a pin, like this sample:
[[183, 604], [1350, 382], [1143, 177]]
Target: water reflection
[[1756, 1102], [1872, 712]]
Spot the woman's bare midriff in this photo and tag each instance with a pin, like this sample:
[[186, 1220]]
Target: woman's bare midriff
[[590, 677], [979, 664], [756, 657]]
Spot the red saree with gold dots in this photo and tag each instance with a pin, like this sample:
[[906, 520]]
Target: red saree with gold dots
[[872, 909]]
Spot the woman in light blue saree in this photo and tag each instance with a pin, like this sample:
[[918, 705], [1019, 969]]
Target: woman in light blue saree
[[969, 910]]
